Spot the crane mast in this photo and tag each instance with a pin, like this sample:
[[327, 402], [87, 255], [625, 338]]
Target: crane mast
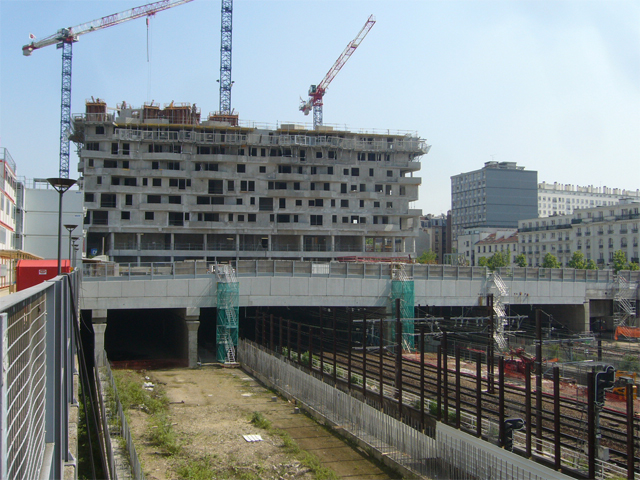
[[316, 92], [64, 39], [225, 56]]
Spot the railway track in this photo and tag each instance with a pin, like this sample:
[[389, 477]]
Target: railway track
[[573, 413]]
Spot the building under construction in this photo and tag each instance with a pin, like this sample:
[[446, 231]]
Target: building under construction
[[162, 184]]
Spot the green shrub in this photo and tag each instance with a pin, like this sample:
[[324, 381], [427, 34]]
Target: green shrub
[[259, 420]]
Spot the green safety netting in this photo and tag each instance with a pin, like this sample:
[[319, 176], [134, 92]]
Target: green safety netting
[[227, 319], [403, 289]]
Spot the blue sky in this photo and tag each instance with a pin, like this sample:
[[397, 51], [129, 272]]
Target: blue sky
[[552, 85]]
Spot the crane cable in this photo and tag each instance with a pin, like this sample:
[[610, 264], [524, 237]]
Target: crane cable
[[148, 62]]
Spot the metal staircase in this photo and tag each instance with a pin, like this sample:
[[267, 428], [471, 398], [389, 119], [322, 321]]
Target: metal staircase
[[228, 309], [500, 291], [624, 301]]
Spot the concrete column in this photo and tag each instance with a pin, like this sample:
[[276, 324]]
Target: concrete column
[[301, 245], [269, 242], [333, 243], [363, 247], [192, 323], [586, 319], [99, 320]]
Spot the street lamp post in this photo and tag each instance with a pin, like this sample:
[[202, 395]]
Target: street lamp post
[[70, 228], [61, 185], [75, 254], [75, 245]]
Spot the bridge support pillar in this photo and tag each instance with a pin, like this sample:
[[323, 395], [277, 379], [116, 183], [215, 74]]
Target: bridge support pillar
[[585, 321], [99, 320], [192, 323]]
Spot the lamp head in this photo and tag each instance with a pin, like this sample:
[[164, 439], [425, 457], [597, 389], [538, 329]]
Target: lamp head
[[61, 184]]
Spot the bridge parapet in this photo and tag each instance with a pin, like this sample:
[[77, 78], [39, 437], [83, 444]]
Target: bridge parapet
[[294, 268]]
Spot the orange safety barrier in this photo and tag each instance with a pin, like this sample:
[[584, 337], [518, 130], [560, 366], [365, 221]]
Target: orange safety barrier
[[629, 332]]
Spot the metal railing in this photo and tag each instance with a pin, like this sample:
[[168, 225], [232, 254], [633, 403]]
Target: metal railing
[[295, 268], [118, 425], [36, 391]]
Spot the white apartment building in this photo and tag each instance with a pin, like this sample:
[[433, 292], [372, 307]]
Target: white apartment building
[[560, 199], [162, 185], [596, 232]]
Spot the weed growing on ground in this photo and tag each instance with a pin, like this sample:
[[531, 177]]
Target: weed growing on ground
[[260, 421], [154, 403], [289, 444], [196, 469]]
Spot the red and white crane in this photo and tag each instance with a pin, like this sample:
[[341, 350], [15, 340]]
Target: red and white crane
[[64, 38], [316, 92]]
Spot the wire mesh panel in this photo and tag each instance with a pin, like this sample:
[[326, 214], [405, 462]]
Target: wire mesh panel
[[452, 455], [23, 388]]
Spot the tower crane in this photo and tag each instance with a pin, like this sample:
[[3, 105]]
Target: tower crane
[[316, 92], [225, 56], [64, 39]]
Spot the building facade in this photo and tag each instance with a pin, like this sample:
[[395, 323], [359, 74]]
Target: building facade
[[39, 221], [471, 248], [502, 242], [162, 185], [496, 196], [560, 199], [434, 236], [596, 232]]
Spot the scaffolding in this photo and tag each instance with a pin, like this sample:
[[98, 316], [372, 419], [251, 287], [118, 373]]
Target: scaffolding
[[402, 287], [228, 311], [624, 302]]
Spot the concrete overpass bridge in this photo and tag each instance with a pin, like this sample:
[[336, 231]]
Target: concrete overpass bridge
[[188, 288]]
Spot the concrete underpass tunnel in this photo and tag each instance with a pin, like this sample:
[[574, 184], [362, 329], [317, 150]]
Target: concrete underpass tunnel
[[147, 337]]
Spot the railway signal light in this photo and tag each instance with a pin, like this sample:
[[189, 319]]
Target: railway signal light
[[510, 425], [604, 381]]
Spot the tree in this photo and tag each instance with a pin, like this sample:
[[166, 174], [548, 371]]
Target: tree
[[619, 261], [634, 266], [499, 260], [521, 260], [428, 257], [577, 261], [550, 261], [590, 265], [483, 261]]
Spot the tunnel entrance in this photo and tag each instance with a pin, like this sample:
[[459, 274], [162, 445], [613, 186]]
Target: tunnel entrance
[[146, 338]]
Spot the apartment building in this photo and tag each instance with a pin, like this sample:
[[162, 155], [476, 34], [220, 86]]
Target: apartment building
[[496, 196], [560, 199], [8, 197], [474, 243], [435, 235], [596, 232], [162, 185]]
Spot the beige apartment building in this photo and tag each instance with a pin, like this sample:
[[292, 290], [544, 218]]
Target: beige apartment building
[[596, 232]]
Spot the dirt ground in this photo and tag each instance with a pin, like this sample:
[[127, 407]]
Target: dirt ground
[[210, 411]]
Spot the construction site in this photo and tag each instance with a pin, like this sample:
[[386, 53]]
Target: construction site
[[484, 385]]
